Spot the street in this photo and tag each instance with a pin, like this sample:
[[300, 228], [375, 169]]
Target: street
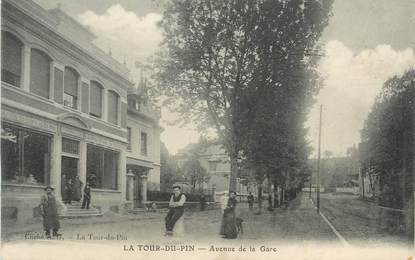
[[281, 232], [298, 223]]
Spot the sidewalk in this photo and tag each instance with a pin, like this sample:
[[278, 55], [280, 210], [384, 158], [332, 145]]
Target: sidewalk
[[11, 230]]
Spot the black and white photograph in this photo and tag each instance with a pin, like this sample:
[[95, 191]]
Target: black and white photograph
[[207, 129]]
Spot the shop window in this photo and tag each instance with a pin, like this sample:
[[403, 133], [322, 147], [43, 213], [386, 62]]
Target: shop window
[[95, 108], [70, 93], [102, 167], [144, 144], [11, 59], [39, 73], [113, 99], [25, 156]]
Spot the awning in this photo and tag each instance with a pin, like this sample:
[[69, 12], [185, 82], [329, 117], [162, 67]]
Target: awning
[[138, 162]]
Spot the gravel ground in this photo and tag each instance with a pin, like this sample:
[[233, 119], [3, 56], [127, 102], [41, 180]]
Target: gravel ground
[[357, 220]]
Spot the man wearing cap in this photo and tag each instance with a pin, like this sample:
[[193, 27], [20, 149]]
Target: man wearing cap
[[49, 211], [176, 209]]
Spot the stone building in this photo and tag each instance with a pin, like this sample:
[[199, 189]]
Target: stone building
[[143, 149], [64, 113]]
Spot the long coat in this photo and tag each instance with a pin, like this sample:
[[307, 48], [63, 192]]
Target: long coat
[[76, 189], [228, 226], [49, 209]]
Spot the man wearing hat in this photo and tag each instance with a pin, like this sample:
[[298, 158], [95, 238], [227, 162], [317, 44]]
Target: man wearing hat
[[49, 211], [176, 209]]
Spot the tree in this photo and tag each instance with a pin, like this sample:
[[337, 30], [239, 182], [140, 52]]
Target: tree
[[388, 138], [191, 168], [276, 103], [194, 172], [168, 169], [216, 50]]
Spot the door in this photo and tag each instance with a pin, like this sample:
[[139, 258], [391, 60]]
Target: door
[[69, 172], [137, 191]]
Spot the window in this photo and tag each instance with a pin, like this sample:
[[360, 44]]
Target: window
[[70, 93], [213, 166], [11, 59], [95, 108], [133, 104], [113, 107], [39, 73], [143, 143], [102, 163], [25, 156], [70, 146], [129, 138]]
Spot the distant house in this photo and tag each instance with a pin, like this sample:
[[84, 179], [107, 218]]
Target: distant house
[[214, 159], [335, 173]]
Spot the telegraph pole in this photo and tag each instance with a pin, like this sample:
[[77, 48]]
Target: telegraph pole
[[318, 160]]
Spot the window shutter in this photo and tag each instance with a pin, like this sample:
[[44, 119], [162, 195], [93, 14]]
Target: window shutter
[[71, 82], [11, 53], [112, 107], [85, 97], [58, 85], [39, 73], [96, 99]]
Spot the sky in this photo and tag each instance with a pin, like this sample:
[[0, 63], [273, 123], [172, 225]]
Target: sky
[[366, 42]]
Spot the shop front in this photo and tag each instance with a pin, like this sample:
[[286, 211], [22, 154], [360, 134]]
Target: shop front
[[38, 151]]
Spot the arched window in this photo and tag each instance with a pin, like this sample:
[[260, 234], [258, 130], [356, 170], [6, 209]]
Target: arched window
[[70, 93], [39, 73], [11, 58], [95, 108], [113, 99]]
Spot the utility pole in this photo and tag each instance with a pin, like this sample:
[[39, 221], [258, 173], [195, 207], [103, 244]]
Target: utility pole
[[318, 161]]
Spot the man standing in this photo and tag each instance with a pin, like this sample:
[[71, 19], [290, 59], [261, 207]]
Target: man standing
[[68, 191], [250, 200], [87, 196], [76, 189], [49, 211], [176, 209]]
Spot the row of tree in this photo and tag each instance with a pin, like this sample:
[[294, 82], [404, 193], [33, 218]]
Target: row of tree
[[387, 148], [246, 69]]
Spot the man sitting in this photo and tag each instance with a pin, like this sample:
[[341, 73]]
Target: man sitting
[[176, 209]]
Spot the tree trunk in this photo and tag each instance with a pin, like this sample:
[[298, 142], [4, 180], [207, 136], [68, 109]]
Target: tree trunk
[[234, 171], [259, 198], [275, 193]]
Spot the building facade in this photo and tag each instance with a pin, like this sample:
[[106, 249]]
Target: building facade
[[143, 149], [215, 160], [63, 112]]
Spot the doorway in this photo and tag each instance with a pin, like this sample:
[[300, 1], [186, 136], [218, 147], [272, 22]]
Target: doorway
[[69, 172], [137, 191]]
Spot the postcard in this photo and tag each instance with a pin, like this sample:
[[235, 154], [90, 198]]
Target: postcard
[[202, 129]]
